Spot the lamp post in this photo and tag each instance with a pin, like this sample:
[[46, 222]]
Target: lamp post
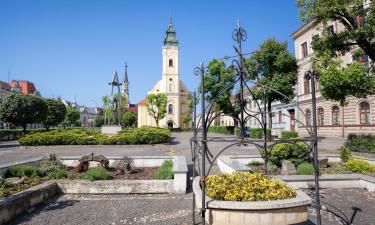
[[312, 75]]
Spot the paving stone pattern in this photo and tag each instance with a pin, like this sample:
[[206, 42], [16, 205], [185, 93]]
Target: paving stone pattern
[[168, 209]]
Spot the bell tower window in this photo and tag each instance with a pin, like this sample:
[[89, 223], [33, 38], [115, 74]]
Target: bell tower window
[[170, 63]]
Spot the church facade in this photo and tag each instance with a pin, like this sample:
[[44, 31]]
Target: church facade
[[170, 85]]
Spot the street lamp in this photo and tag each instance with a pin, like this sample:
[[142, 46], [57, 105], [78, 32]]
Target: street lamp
[[312, 75]]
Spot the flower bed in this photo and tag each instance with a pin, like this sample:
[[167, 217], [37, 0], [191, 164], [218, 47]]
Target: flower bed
[[143, 135], [285, 211]]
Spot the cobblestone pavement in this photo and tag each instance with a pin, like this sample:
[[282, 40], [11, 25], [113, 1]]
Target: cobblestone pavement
[[180, 145], [169, 209]]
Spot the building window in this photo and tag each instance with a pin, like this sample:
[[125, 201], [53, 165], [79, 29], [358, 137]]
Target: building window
[[170, 63], [304, 50], [170, 109], [364, 112], [170, 87], [280, 117], [306, 86], [320, 117], [308, 117], [335, 115]]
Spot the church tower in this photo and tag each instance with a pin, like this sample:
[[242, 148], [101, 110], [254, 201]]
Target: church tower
[[125, 86]]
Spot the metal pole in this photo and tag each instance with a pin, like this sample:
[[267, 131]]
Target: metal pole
[[315, 148], [265, 131], [194, 146], [204, 147]]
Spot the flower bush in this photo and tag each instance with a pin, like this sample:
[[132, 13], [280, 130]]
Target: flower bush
[[81, 136], [244, 186]]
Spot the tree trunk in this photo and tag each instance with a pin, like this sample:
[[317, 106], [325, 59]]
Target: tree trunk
[[24, 128], [269, 114], [343, 121]]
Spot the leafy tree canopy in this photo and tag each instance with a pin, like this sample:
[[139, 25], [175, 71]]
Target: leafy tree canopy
[[129, 119], [72, 117], [20, 109], [157, 106], [358, 20], [55, 113]]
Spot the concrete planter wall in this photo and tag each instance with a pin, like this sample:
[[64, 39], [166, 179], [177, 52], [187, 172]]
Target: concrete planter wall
[[111, 130], [230, 164], [280, 212]]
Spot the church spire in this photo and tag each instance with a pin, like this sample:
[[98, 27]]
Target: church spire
[[125, 84], [126, 73], [170, 38]]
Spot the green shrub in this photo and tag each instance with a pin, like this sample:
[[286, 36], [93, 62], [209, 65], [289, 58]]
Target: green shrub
[[289, 134], [289, 151], [24, 171], [96, 173], [345, 154], [272, 167], [58, 174], [257, 133], [227, 130], [165, 172], [82, 136], [360, 143], [237, 131], [305, 168], [359, 166], [255, 163]]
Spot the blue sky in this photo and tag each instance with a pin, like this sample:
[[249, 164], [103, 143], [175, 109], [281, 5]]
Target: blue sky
[[69, 48]]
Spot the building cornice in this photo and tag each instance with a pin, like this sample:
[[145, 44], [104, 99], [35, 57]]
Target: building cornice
[[302, 29]]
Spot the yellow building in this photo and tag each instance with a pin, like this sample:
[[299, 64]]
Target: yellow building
[[170, 85]]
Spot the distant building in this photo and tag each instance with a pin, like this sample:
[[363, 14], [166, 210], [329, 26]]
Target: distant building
[[170, 85], [333, 120], [24, 87]]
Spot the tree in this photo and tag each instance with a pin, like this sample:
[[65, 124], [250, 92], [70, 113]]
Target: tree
[[129, 119], [217, 90], [20, 110], [157, 106], [99, 119], [337, 83], [187, 118], [358, 20], [275, 70], [71, 117], [56, 111]]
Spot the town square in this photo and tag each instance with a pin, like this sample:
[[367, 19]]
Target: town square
[[187, 112]]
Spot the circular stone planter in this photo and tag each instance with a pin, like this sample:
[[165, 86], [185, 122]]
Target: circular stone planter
[[277, 212]]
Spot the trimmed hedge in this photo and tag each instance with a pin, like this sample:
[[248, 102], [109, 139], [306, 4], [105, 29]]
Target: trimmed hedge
[[14, 134], [361, 143], [289, 134], [228, 130], [143, 135], [258, 133]]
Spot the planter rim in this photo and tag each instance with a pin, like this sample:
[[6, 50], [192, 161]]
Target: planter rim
[[300, 200]]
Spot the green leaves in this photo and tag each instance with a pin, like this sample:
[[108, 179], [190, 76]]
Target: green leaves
[[157, 106], [55, 113], [20, 109]]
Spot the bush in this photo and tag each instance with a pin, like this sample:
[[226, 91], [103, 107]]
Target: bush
[[81, 136], [305, 168], [227, 130], [257, 133], [24, 171], [96, 173], [58, 174], [272, 167], [244, 186], [165, 172], [360, 143], [359, 166], [294, 152], [289, 134], [237, 131], [345, 154]]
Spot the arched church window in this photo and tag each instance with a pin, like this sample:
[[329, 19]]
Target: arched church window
[[170, 63], [170, 109], [335, 115]]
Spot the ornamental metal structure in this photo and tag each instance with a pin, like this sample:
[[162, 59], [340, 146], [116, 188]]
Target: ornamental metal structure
[[114, 101], [204, 159]]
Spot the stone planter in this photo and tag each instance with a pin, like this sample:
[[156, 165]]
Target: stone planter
[[111, 130], [278, 212]]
